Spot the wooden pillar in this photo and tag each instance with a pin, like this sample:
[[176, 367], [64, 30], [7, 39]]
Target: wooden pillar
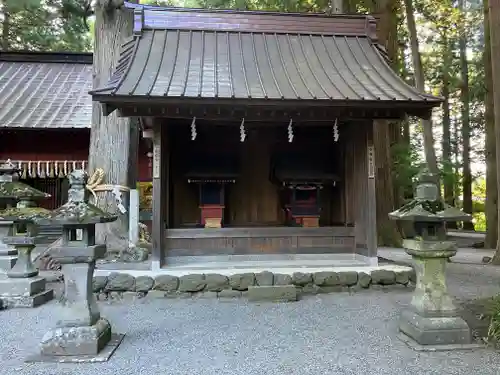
[[159, 198], [360, 180], [371, 203]]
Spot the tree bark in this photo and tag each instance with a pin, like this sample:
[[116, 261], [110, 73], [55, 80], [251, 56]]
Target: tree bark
[[113, 140], [494, 17], [449, 176], [491, 210], [430, 153], [464, 98], [5, 26], [383, 133]]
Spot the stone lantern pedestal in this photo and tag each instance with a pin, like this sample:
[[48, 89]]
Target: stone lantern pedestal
[[8, 254], [23, 287], [80, 333], [431, 321], [432, 318]]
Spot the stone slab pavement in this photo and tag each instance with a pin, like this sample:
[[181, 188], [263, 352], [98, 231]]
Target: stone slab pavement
[[318, 335]]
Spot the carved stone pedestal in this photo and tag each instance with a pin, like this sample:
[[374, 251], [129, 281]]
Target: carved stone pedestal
[[432, 318], [22, 287], [8, 254]]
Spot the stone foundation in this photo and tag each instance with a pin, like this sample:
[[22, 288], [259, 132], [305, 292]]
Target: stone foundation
[[125, 286]]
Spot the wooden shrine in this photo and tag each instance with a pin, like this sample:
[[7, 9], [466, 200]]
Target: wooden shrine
[[253, 89], [211, 175]]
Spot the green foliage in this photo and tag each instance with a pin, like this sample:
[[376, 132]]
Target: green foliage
[[493, 338], [45, 25]]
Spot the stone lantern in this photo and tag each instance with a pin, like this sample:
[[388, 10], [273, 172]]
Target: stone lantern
[[80, 333], [431, 319], [11, 190], [22, 287]]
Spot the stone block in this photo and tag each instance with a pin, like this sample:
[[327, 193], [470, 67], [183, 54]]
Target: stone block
[[326, 278], [364, 280], [130, 296], [76, 341], [282, 279], [99, 283], [28, 301], [264, 278], [310, 289], [229, 293], [143, 283], [155, 294], [22, 286], [215, 282], [300, 278], [434, 330], [120, 282], [192, 283], [275, 293], [403, 277], [241, 281], [348, 278], [383, 277], [166, 283]]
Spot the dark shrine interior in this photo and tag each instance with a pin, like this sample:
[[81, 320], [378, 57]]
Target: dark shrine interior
[[213, 160]]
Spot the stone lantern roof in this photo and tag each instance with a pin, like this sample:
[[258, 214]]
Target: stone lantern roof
[[427, 205], [12, 189], [77, 210]]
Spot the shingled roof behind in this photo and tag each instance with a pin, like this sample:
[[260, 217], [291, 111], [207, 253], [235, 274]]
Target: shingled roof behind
[[45, 90]]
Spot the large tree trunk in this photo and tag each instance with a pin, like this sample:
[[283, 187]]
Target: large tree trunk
[[383, 133], [490, 241], [430, 153], [5, 26], [113, 140], [494, 10], [464, 97], [449, 175]]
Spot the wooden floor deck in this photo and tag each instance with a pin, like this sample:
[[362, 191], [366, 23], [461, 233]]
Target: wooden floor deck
[[263, 240]]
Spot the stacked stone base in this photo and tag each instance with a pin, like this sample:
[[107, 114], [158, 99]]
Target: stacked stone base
[[124, 286], [82, 344], [75, 341], [24, 292], [452, 330]]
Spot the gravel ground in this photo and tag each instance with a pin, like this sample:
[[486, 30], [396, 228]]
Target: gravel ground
[[320, 335]]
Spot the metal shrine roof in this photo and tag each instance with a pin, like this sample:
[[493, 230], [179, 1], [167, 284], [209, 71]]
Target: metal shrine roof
[[179, 54], [45, 90]]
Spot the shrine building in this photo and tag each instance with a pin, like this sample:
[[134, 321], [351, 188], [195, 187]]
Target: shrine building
[[45, 121], [262, 126]]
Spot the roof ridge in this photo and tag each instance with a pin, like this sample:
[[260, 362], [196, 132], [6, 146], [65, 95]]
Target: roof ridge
[[47, 57], [154, 17]]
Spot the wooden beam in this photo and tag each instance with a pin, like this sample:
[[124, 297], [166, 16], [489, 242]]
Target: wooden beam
[[269, 114], [158, 225]]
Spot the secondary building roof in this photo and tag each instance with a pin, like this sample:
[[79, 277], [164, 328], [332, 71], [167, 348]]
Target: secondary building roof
[[179, 54], [45, 90]]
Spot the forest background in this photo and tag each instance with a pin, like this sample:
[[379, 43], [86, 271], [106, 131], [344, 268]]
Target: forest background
[[441, 46]]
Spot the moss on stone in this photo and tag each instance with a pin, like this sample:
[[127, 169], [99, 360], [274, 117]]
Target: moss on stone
[[20, 190], [78, 213], [24, 214]]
